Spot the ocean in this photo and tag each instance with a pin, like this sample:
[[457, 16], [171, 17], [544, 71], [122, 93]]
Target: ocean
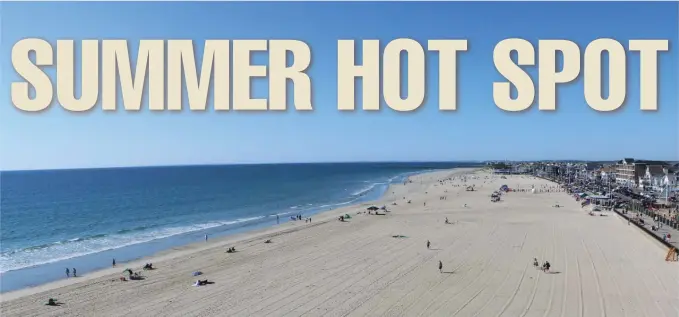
[[51, 220]]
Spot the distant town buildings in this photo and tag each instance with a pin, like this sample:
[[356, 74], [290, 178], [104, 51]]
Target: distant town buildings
[[647, 175]]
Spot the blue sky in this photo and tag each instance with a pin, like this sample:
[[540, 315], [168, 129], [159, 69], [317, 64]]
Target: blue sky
[[478, 130]]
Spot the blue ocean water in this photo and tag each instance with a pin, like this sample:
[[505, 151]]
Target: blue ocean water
[[50, 220]]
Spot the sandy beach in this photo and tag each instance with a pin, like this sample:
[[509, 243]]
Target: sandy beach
[[600, 266]]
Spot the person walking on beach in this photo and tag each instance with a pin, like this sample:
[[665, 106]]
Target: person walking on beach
[[440, 267], [428, 244], [68, 273], [206, 238], [74, 275], [114, 262]]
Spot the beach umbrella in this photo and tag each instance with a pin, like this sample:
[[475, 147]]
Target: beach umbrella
[[372, 208]]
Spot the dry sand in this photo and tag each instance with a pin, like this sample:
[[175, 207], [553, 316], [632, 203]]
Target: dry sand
[[601, 266]]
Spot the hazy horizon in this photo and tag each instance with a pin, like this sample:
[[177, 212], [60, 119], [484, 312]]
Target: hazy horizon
[[330, 162]]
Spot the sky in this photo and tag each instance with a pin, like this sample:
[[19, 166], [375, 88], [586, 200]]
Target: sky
[[478, 130]]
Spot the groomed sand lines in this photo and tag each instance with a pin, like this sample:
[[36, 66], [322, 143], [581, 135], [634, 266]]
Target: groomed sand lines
[[601, 266]]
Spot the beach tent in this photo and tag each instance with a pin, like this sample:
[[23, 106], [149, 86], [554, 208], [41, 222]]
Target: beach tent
[[504, 188]]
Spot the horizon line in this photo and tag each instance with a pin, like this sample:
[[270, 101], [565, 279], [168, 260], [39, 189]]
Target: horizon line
[[299, 163]]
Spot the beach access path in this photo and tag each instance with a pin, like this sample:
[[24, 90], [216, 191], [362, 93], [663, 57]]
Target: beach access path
[[379, 265]]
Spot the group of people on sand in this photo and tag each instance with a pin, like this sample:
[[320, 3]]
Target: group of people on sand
[[299, 217], [545, 266], [231, 250], [68, 273], [133, 275]]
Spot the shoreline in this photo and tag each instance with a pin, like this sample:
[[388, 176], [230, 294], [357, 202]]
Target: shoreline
[[223, 240], [479, 263]]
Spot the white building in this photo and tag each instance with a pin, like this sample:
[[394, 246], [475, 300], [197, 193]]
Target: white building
[[657, 178], [636, 173], [608, 174]]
